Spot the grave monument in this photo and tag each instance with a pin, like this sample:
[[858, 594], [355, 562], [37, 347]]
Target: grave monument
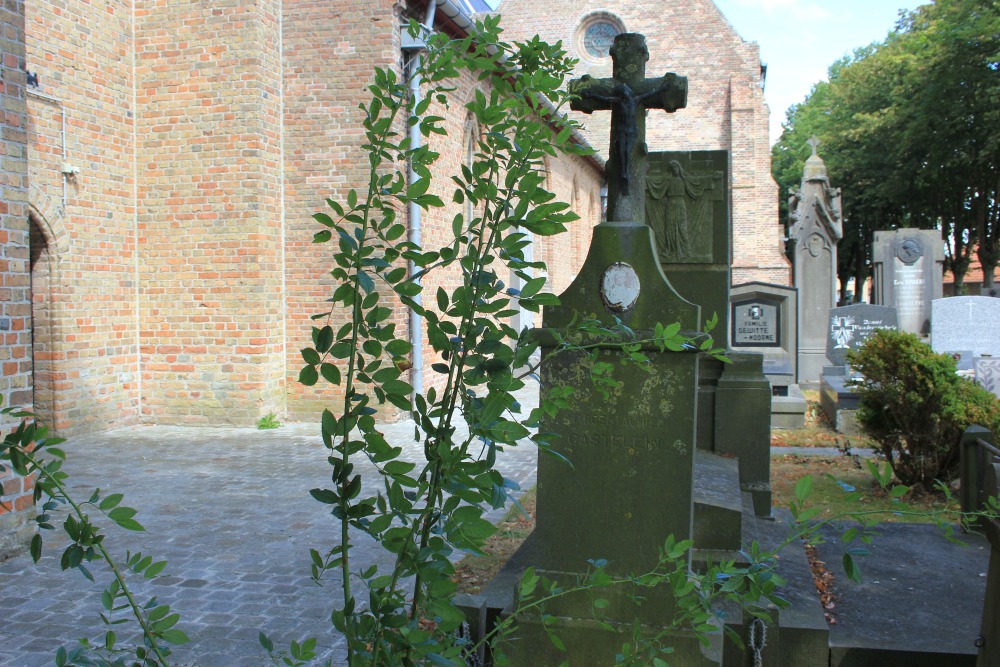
[[764, 318], [614, 441], [641, 467], [815, 225], [908, 275], [848, 329]]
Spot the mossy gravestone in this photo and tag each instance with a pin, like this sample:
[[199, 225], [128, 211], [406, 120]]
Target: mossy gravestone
[[631, 450]]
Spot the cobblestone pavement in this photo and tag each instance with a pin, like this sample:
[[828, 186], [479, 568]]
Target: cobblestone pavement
[[229, 508]]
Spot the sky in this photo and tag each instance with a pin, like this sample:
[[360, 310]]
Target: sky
[[800, 39]]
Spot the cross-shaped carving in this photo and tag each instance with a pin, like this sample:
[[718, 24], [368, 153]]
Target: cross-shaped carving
[[814, 142], [628, 94]]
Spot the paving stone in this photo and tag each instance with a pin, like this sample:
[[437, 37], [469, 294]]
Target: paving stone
[[230, 511]]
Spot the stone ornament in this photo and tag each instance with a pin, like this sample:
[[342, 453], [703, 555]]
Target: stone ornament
[[619, 287]]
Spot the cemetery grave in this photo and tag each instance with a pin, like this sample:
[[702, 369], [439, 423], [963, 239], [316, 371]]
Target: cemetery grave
[[681, 447]]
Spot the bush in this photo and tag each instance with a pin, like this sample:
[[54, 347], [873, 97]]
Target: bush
[[915, 406]]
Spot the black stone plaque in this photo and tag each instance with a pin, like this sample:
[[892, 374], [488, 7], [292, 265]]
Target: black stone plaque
[[851, 326]]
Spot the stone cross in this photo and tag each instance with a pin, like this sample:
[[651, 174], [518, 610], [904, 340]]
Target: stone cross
[[628, 94], [814, 142]]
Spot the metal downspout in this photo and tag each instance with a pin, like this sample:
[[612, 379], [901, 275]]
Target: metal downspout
[[417, 322]]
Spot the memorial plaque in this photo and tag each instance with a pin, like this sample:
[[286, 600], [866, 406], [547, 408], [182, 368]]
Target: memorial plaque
[[851, 326], [756, 323], [764, 318], [908, 275]]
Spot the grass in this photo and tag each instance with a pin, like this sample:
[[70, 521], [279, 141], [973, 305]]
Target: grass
[[474, 572], [843, 485]]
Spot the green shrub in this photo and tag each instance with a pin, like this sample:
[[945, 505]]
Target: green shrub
[[915, 406]]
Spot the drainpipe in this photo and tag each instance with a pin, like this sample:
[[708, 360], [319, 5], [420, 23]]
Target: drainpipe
[[416, 322]]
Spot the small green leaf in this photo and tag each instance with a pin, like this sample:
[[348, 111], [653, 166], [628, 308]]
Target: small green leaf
[[308, 376], [803, 488], [111, 501]]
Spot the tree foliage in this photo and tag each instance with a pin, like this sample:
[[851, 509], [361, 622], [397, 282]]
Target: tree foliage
[[916, 406], [909, 131]]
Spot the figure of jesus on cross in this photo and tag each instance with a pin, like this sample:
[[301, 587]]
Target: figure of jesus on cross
[[628, 94]]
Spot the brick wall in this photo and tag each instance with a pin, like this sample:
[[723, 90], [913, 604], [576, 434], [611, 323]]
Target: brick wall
[[208, 162], [16, 509], [83, 241], [725, 110], [323, 158]]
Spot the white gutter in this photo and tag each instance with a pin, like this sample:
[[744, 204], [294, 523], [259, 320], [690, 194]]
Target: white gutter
[[416, 321]]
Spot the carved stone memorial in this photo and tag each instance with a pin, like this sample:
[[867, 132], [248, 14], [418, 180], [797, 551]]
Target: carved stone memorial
[[815, 225], [687, 206], [908, 275], [763, 318], [615, 440]]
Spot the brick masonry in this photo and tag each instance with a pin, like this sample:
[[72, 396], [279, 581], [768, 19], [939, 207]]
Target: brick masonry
[[725, 111], [172, 278], [16, 510]]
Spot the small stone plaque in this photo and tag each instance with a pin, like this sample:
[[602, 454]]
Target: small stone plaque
[[619, 287], [850, 326], [756, 323]]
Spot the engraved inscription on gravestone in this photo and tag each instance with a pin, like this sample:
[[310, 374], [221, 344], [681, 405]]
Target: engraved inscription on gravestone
[[851, 326], [909, 284], [756, 323]]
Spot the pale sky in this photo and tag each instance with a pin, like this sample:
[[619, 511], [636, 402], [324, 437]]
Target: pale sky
[[800, 39]]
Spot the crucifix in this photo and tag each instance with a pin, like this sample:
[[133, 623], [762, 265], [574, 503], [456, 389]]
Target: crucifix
[[628, 94]]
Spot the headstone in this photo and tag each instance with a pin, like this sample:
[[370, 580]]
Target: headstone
[[850, 326], [637, 442], [908, 274], [988, 374], [815, 225], [966, 323], [688, 209], [764, 318]]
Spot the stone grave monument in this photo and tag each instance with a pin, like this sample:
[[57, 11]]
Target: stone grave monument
[[637, 443], [639, 472], [968, 327], [764, 318], [966, 323], [848, 329], [687, 206], [815, 225], [908, 275]]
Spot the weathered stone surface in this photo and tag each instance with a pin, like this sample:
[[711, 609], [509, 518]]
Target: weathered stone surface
[[988, 374], [687, 206], [815, 225], [966, 323], [764, 318], [628, 94], [850, 326], [908, 274]]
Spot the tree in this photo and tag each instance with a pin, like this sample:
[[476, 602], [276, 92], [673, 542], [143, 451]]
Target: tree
[[908, 131]]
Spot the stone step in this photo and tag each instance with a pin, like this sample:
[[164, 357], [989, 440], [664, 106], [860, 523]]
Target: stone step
[[718, 503]]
